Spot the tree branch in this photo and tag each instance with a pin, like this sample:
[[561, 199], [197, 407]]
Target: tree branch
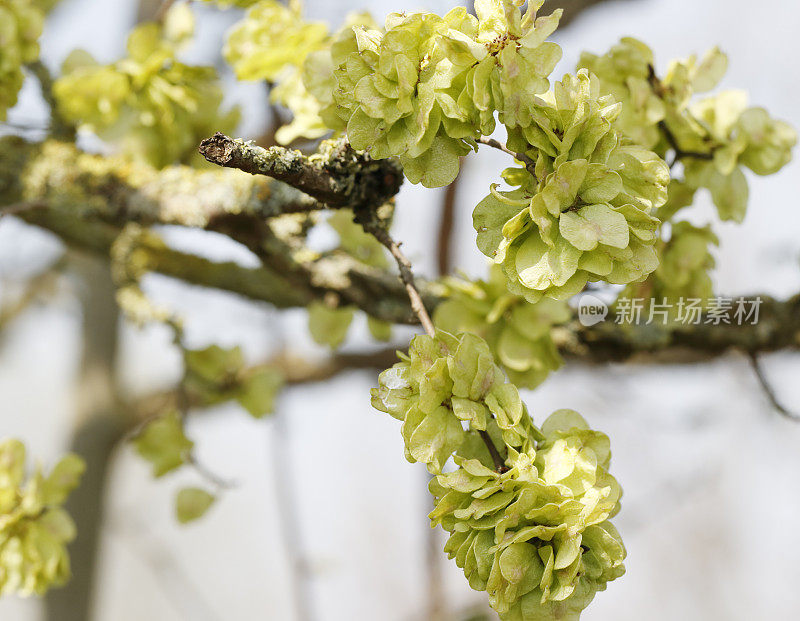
[[337, 176], [87, 199]]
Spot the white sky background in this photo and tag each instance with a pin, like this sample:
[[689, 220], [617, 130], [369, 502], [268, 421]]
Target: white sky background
[[710, 473]]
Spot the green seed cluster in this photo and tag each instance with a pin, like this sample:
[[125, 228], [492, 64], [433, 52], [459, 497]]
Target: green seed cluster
[[34, 528], [532, 531], [21, 23], [517, 332]]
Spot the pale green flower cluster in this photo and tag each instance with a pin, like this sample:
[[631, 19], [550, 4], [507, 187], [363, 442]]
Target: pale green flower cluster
[[163, 443], [21, 23], [536, 537], [156, 107], [534, 532], [683, 270], [714, 137], [424, 88], [627, 72], [34, 528], [275, 43], [624, 72], [586, 215], [215, 374], [271, 37], [445, 381], [517, 332], [735, 136]]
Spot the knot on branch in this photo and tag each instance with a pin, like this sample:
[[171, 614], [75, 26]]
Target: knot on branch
[[337, 175], [366, 182], [218, 149]]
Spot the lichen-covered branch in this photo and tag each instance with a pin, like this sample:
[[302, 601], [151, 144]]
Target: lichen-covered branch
[[86, 200], [778, 328], [337, 176]]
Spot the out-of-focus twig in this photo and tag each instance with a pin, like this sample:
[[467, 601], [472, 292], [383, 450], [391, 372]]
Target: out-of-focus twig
[[444, 245], [572, 9], [769, 391], [59, 126], [38, 286], [289, 518]]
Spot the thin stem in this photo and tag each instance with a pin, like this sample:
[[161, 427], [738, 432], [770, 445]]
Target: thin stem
[[267, 139], [495, 144], [288, 515], [499, 462], [680, 153], [769, 391], [184, 405], [18, 208], [60, 127], [444, 247], [166, 5], [208, 475], [406, 274], [660, 90]]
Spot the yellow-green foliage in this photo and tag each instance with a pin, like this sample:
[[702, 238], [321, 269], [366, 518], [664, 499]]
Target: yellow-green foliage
[[517, 332], [34, 528], [21, 23], [586, 215], [534, 532], [719, 133], [157, 108]]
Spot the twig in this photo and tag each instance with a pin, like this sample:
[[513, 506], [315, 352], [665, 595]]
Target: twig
[[162, 11], [213, 478], [499, 462], [444, 246], [17, 208], [660, 90], [337, 177], [267, 139], [288, 516], [406, 274], [680, 153], [572, 9], [769, 391], [184, 404], [60, 127], [495, 144]]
